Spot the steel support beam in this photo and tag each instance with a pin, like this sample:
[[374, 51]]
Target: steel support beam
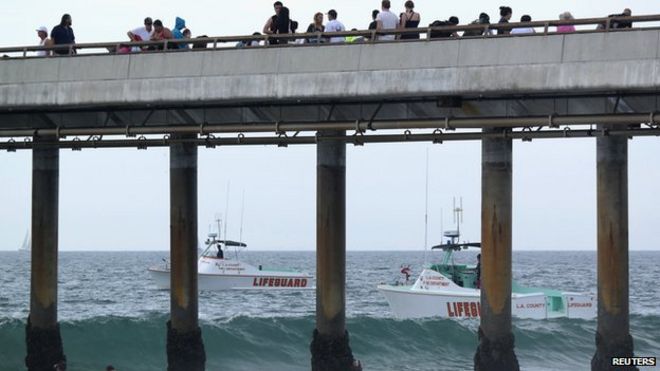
[[613, 334], [185, 348], [495, 351], [621, 120], [44, 343], [330, 345]]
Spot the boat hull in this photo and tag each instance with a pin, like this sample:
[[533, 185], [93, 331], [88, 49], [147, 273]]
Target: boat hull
[[219, 282], [434, 295]]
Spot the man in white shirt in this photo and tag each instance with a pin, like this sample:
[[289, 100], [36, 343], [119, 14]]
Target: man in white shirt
[[142, 33], [386, 20], [334, 25]]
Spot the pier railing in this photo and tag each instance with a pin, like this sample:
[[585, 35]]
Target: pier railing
[[296, 39]]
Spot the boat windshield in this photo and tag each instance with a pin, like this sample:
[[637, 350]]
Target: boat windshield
[[218, 248]]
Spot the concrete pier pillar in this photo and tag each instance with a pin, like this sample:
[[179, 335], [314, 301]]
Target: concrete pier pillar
[[496, 343], [613, 334], [185, 348], [44, 343], [330, 345]]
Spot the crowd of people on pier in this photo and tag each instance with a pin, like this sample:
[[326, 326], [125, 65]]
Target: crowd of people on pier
[[281, 23]]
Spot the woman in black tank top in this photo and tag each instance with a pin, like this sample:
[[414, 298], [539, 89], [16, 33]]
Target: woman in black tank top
[[409, 19]]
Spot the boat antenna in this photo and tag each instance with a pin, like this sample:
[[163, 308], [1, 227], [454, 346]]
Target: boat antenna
[[218, 220], [240, 233], [458, 217], [442, 225], [460, 211], [426, 208], [224, 233]]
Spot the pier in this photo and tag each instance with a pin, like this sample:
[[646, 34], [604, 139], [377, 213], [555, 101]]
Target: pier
[[589, 84]]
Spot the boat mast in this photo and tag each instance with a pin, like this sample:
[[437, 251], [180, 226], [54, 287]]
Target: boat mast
[[426, 208], [218, 220], [458, 219], [224, 233], [240, 232]]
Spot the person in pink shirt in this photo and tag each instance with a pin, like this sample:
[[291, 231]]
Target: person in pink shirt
[[568, 28]]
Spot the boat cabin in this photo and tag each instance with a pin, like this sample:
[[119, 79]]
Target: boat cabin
[[216, 249], [463, 275]]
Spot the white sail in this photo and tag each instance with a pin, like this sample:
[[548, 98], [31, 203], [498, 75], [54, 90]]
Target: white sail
[[27, 242]]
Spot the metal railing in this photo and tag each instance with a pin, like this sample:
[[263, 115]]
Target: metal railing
[[357, 139], [369, 36], [447, 124], [208, 135]]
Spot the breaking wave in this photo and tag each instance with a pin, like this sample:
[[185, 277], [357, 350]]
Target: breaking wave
[[279, 343]]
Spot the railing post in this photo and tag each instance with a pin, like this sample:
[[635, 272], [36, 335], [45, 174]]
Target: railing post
[[496, 343], [185, 349], [330, 345], [613, 334], [44, 343]]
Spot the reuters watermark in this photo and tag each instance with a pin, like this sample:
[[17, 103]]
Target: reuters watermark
[[634, 361]]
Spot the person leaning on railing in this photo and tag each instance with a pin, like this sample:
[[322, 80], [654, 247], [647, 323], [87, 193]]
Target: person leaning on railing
[[141, 33], [62, 34], [248, 43], [44, 41], [505, 15], [614, 24], [316, 26], [334, 25], [270, 28], [622, 24], [374, 23], [437, 34], [386, 21], [524, 30], [484, 19], [409, 19], [160, 33], [566, 28], [177, 33]]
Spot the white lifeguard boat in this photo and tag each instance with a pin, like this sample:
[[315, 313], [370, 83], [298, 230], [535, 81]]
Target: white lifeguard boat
[[449, 290], [217, 271]]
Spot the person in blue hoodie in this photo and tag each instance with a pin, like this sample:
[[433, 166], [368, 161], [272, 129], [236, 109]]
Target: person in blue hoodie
[[177, 32]]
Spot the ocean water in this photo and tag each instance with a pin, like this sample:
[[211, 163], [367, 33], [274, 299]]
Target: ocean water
[[111, 313]]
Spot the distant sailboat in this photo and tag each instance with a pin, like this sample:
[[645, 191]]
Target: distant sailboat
[[27, 243]]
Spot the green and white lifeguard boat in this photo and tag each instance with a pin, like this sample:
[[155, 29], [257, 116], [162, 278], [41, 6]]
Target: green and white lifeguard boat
[[449, 290]]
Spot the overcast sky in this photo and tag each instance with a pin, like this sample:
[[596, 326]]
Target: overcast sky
[[119, 199]]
